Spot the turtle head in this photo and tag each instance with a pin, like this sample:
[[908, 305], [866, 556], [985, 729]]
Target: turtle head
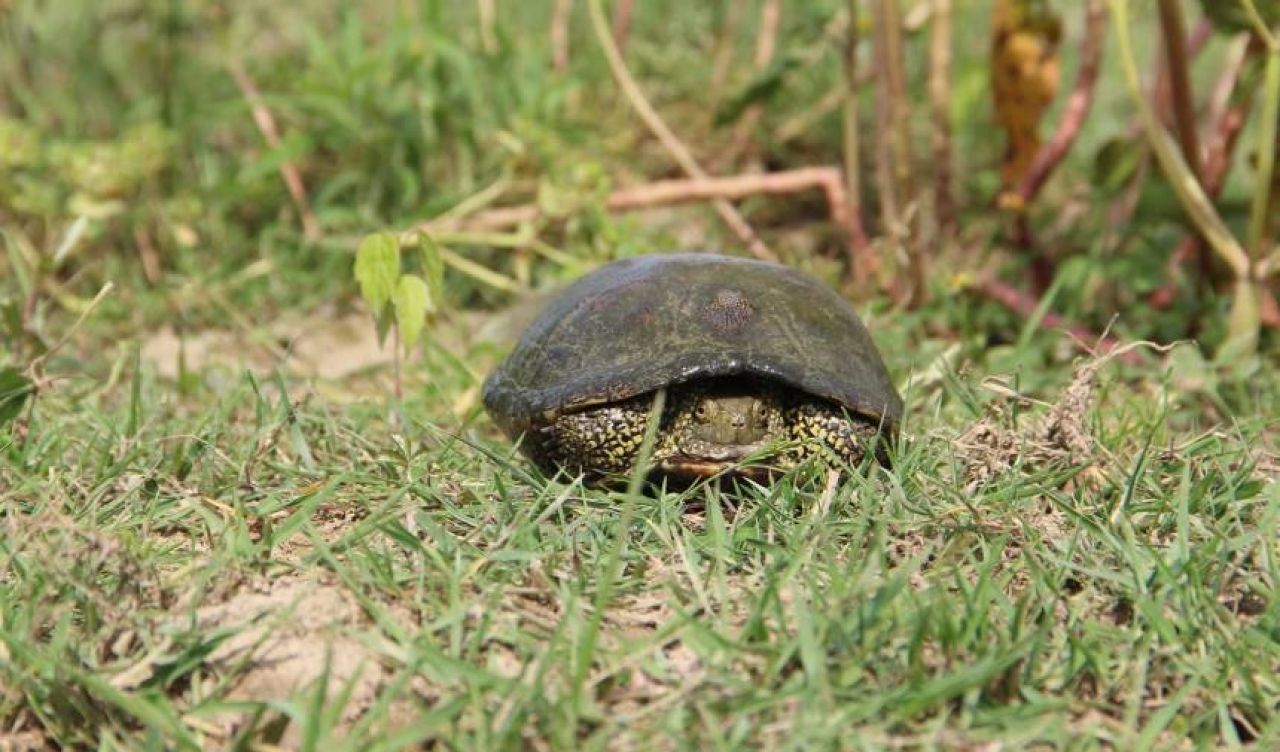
[[725, 422], [729, 419]]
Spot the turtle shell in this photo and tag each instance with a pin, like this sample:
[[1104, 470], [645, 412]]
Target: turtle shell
[[636, 325]]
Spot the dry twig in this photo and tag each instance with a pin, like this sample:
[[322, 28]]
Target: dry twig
[[1055, 150], [488, 23], [1177, 61], [893, 148], [271, 134], [622, 11], [1077, 107], [673, 192], [1228, 121], [863, 263], [669, 140], [940, 105], [561, 15], [147, 251], [766, 43]]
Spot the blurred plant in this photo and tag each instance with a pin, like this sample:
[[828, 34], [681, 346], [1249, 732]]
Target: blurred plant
[[1025, 74], [1235, 16], [41, 177], [401, 302], [1252, 263], [27, 342]]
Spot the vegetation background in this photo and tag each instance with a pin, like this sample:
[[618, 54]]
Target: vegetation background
[[236, 515]]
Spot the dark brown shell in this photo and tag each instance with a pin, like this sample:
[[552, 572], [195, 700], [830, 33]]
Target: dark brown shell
[[643, 323]]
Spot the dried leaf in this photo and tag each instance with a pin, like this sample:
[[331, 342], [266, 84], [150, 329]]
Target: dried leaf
[[1025, 74]]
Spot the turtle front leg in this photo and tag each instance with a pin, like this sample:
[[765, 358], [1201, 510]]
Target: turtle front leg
[[599, 441], [820, 429]]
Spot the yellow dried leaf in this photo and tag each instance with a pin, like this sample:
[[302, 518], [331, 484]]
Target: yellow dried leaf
[[1025, 75]]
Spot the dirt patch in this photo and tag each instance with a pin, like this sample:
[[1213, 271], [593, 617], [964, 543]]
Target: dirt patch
[[284, 632], [327, 347], [25, 741]]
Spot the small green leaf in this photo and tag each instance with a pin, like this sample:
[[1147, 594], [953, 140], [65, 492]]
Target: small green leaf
[[14, 391], [433, 270], [411, 301], [377, 268]]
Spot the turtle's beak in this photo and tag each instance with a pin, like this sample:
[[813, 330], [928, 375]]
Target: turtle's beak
[[712, 460]]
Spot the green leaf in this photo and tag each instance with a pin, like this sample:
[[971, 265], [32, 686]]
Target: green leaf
[[411, 302], [14, 391], [377, 268], [433, 270]]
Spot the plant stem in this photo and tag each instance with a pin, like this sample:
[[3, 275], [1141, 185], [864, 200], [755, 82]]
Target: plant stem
[[561, 17], [674, 146], [1258, 218], [861, 257], [1077, 108], [1189, 191], [1174, 31], [940, 103]]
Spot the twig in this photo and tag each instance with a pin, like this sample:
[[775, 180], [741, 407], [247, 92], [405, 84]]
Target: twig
[[1174, 31], [271, 134], [889, 22], [940, 104], [766, 42], [672, 192], [1189, 191], [863, 262], [893, 145], [1228, 120], [147, 250], [722, 60], [1260, 216], [561, 15], [1051, 154], [1026, 306], [33, 368], [1077, 107], [673, 145], [622, 12], [488, 18], [767, 35]]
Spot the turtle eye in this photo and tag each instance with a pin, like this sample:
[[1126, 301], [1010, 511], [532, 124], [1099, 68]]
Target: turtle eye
[[702, 411]]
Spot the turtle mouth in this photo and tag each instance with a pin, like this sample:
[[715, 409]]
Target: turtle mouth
[[711, 461]]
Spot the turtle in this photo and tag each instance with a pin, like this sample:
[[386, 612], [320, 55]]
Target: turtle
[[761, 367]]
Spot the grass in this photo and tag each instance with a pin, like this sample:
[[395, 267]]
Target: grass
[[217, 547]]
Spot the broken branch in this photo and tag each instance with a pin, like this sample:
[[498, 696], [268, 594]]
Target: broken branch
[[271, 134], [673, 192], [1077, 107], [670, 141]]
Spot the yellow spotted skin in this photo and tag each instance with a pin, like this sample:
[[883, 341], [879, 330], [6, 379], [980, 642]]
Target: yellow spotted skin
[[784, 427], [603, 440]]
